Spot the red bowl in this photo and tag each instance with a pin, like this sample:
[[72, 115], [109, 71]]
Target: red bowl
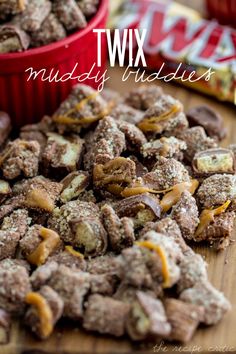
[[27, 101], [223, 10]]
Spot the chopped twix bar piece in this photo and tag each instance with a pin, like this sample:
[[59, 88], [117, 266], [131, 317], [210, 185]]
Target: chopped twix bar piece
[[209, 119], [20, 157], [13, 39], [11, 7], [73, 185], [83, 107], [141, 208], [147, 318], [105, 315], [5, 190], [46, 307], [5, 326], [213, 161], [61, 154], [183, 318]]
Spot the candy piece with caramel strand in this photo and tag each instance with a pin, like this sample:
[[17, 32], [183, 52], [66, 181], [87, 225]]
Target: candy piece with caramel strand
[[44, 312], [161, 253], [66, 119], [151, 124], [50, 241], [207, 216], [172, 197]]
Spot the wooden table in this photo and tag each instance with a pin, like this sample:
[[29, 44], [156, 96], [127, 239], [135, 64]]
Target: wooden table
[[222, 273]]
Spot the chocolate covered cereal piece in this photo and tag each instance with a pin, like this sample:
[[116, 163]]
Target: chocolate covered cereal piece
[[106, 143], [5, 127], [133, 135], [213, 301], [209, 119], [11, 7], [70, 258], [123, 112], [42, 274], [45, 309], [147, 318], [50, 31], [8, 244], [20, 157], [14, 284], [18, 221], [106, 264], [164, 117], [193, 269], [69, 14], [62, 155], [83, 107], [103, 284], [214, 161], [112, 97], [185, 213], [34, 14], [120, 230], [72, 286], [166, 147], [165, 174], [88, 7], [5, 326], [184, 319], [143, 97], [105, 315], [13, 39], [196, 141], [216, 190], [166, 226], [73, 185]]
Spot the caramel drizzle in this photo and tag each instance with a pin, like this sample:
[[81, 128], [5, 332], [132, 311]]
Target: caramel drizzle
[[208, 215], [67, 119], [50, 241], [161, 253], [44, 312], [151, 124], [75, 253]]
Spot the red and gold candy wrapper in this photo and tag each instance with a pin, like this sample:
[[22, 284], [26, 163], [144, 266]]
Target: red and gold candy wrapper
[[175, 35]]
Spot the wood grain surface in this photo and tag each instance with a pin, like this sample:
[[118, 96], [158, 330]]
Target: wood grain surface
[[69, 339]]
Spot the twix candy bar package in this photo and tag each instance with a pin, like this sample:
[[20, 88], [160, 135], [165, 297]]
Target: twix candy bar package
[[178, 40]]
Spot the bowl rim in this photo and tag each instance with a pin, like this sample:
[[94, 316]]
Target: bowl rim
[[103, 6]]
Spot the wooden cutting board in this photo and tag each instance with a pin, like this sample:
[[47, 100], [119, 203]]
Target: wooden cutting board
[[222, 273]]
